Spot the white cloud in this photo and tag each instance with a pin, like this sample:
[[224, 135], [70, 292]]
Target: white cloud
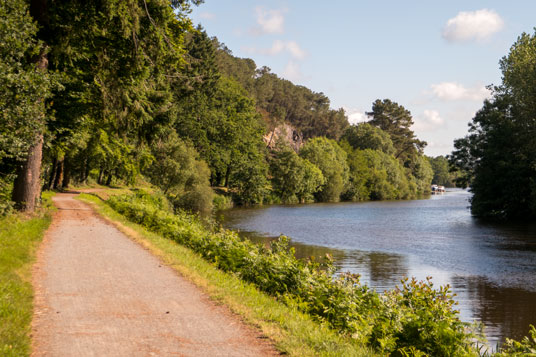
[[472, 25], [269, 21], [295, 50], [428, 121], [455, 91], [279, 47], [207, 16], [432, 117], [292, 71], [355, 115]]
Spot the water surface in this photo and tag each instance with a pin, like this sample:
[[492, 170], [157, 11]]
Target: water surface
[[491, 267]]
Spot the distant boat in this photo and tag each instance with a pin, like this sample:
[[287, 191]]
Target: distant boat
[[438, 189]]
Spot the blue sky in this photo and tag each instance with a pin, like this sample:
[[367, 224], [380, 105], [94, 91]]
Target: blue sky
[[434, 58]]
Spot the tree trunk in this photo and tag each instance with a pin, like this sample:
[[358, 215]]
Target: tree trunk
[[227, 175], [84, 172], [101, 176], [59, 174], [27, 186], [52, 173], [109, 179], [66, 174]]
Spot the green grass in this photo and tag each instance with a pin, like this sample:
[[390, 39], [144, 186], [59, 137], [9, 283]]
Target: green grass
[[20, 236], [292, 332]]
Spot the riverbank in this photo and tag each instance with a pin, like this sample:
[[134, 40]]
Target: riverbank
[[384, 322], [20, 235], [293, 333], [489, 266], [99, 293]]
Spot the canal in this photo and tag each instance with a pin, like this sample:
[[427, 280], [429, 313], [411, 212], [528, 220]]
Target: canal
[[491, 267]]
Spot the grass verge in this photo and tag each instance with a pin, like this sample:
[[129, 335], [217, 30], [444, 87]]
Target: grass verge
[[293, 333], [20, 236]]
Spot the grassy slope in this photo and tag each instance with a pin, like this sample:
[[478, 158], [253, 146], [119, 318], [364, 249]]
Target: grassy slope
[[19, 238], [293, 332]]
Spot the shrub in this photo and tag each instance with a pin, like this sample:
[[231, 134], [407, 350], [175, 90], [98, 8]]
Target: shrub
[[221, 202], [415, 319], [178, 171], [525, 347], [6, 206]]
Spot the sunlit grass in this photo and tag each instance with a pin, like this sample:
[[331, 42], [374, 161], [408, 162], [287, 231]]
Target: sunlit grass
[[293, 332], [20, 236]]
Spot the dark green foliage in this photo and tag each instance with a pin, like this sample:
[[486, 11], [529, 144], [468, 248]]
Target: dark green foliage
[[359, 175], [281, 100], [248, 178], [396, 120], [498, 156], [132, 73], [412, 320], [330, 158], [116, 61], [178, 172], [201, 70], [23, 89], [420, 175], [21, 84], [221, 202], [294, 179], [227, 132], [386, 178], [366, 136], [442, 173]]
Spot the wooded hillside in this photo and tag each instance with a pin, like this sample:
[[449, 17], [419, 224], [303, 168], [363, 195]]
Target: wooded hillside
[[111, 91]]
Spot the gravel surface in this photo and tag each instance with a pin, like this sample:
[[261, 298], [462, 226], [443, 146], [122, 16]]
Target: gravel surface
[[98, 293]]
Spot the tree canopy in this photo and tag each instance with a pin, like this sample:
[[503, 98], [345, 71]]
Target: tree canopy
[[330, 158], [110, 91], [498, 156]]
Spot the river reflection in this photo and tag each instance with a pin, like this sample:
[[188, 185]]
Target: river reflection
[[491, 267]]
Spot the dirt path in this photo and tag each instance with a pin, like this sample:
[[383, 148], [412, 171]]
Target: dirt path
[[100, 294]]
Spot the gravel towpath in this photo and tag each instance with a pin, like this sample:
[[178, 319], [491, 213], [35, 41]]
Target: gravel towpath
[[98, 293]]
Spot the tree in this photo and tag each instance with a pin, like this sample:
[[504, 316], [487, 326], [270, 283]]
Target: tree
[[442, 174], [226, 130], [396, 121], [178, 172], [421, 175], [499, 154], [330, 158], [24, 86], [294, 179], [116, 61], [366, 136], [498, 161], [386, 179], [120, 60], [360, 174], [280, 100]]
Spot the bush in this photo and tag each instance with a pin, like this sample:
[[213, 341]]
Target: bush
[[6, 206], [221, 202], [525, 347], [415, 319], [180, 174]]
